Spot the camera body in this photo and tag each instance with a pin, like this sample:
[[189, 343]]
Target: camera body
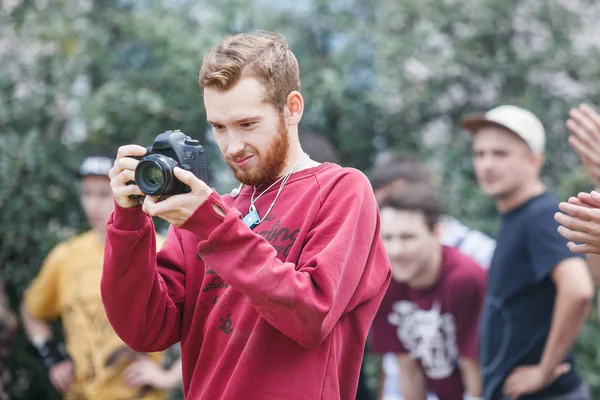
[[154, 174]]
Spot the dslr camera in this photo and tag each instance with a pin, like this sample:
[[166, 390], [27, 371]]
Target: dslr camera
[[154, 174]]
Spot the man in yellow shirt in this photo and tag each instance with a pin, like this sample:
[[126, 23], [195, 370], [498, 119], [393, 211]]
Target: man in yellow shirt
[[97, 364]]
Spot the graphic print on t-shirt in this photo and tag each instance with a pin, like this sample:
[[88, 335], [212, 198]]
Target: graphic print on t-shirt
[[428, 335]]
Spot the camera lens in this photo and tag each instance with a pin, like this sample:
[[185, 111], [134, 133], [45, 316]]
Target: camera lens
[[154, 175]]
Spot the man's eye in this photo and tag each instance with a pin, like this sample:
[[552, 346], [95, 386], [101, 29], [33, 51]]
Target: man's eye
[[248, 124]]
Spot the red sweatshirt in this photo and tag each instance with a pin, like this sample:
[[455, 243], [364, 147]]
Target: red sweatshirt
[[278, 312]]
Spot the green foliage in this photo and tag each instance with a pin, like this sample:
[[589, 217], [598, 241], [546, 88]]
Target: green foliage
[[39, 208]]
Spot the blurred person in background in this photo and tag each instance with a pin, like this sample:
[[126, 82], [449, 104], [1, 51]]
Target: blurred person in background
[[8, 328], [272, 289], [396, 170], [538, 292], [429, 317], [96, 363], [399, 169]]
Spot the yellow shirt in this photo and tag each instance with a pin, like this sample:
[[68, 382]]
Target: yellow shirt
[[68, 286]]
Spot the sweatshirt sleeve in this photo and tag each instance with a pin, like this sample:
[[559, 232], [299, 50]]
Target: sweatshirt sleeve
[[142, 293], [342, 263]]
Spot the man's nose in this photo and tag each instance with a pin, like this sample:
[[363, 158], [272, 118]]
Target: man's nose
[[235, 145], [485, 162], [395, 247]]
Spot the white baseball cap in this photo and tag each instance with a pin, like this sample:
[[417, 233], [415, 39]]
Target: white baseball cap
[[96, 165], [523, 123]]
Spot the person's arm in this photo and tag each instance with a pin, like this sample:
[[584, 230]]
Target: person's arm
[[593, 262], [142, 292], [469, 285], [41, 303], [342, 264], [573, 294], [413, 383], [471, 377], [60, 368], [37, 330]]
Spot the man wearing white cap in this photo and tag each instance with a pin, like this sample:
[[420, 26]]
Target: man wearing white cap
[[538, 292]]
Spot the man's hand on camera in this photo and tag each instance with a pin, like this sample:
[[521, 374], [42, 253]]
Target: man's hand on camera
[[179, 208], [124, 171]]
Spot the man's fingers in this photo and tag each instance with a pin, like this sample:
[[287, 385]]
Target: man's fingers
[[131, 150], [576, 201], [562, 369], [588, 199], [581, 212], [121, 187], [510, 389], [188, 178], [579, 237], [586, 126], [591, 114], [583, 248], [123, 178], [121, 165], [582, 148], [128, 191], [151, 206], [60, 378], [575, 224]]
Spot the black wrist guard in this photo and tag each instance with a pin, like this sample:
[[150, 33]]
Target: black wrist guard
[[50, 354]]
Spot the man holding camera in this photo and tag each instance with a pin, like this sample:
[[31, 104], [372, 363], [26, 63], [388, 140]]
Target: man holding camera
[[96, 363], [270, 290]]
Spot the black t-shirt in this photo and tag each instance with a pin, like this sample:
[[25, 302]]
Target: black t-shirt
[[520, 296]]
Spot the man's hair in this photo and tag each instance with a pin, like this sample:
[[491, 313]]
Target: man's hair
[[398, 167], [318, 147], [415, 197], [261, 55]]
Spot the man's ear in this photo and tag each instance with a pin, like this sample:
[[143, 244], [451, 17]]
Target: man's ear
[[294, 108], [538, 161]]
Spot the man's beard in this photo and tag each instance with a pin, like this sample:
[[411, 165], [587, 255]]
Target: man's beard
[[270, 165]]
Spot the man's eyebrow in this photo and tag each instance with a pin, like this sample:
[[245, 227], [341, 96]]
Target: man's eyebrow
[[239, 121], [248, 119]]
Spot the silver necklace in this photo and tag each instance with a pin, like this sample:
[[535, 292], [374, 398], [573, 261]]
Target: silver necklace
[[252, 218]]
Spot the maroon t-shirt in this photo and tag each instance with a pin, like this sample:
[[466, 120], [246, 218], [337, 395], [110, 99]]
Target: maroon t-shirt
[[437, 325]]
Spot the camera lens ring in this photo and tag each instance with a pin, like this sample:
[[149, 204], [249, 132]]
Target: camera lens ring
[[154, 174]]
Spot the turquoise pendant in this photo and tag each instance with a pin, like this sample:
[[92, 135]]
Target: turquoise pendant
[[251, 219]]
